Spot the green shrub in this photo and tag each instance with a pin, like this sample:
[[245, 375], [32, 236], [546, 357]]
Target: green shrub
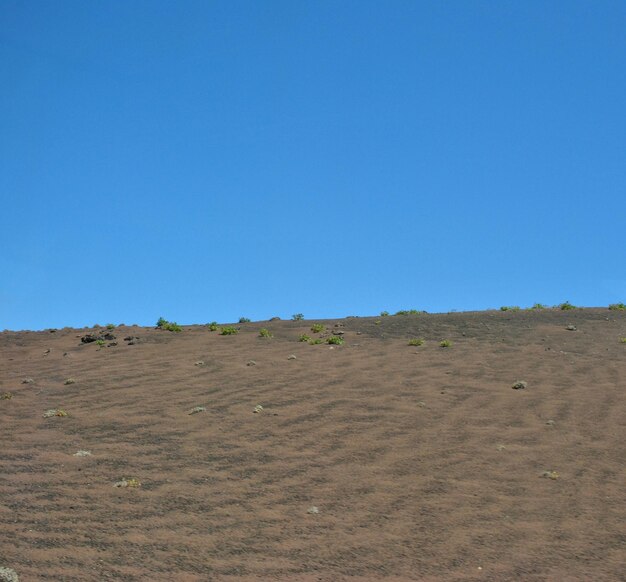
[[416, 342], [263, 332], [100, 342], [168, 325], [244, 320], [317, 328], [229, 330], [566, 306], [316, 342], [110, 326], [622, 340], [334, 340], [304, 338], [384, 313], [617, 307], [409, 312], [538, 306], [213, 326], [509, 308], [445, 343], [297, 317]]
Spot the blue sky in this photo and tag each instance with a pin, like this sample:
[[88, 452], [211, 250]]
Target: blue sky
[[205, 161]]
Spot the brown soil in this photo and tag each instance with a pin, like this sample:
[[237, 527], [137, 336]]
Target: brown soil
[[423, 462]]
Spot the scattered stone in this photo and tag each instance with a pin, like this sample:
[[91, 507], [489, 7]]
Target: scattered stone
[[65, 354], [111, 344], [550, 475], [571, 328], [258, 408], [8, 575], [54, 412], [519, 385], [251, 363], [7, 396], [421, 404], [292, 357], [89, 338], [199, 363], [313, 510], [69, 381], [132, 482], [550, 422], [82, 453], [132, 340], [27, 381], [197, 409], [47, 352], [339, 332], [108, 336], [500, 447]]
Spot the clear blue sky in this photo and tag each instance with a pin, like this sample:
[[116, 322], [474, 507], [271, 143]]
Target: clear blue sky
[[204, 161]]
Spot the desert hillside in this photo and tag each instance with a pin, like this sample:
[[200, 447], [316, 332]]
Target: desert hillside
[[156, 455]]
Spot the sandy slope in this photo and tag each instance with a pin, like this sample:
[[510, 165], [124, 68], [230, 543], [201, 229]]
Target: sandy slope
[[423, 462]]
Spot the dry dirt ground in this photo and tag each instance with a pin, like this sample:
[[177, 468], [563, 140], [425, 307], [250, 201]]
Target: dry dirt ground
[[422, 461]]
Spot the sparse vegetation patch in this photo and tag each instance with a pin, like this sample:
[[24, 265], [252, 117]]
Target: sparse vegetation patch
[[445, 343], [335, 340], [317, 328], [168, 325], [416, 342], [264, 332], [617, 307], [229, 330]]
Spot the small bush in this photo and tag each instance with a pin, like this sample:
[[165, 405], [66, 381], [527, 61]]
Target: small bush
[[409, 312], [539, 306], [416, 342], [622, 340], [297, 317], [229, 330], [168, 325], [317, 328], [100, 342], [334, 340], [509, 308], [384, 313], [304, 338], [244, 320], [445, 343], [617, 307], [110, 326], [566, 306], [316, 342], [263, 332], [213, 326]]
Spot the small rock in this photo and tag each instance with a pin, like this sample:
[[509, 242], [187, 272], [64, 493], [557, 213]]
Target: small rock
[[500, 447], [82, 453], [197, 409], [550, 422], [8, 575], [258, 408], [571, 328], [199, 363], [111, 344], [69, 381], [338, 332], [89, 338], [108, 336], [520, 385], [251, 363], [132, 482], [27, 381], [313, 510], [292, 357], [550, 475], [46, 352], [421, 404]]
